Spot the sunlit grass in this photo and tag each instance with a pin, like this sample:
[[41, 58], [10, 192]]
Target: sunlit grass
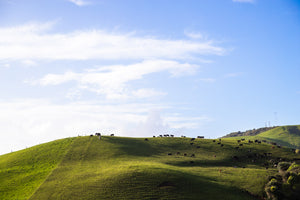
[[132, 168]]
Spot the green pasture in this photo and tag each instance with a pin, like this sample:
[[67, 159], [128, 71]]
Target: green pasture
[[133, 168]]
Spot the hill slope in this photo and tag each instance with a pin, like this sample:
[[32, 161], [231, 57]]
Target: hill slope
[[284, 135], [132, 168]]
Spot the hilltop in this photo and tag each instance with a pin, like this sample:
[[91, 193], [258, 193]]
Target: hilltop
[[136, 168], [251, 132], [283, 135]]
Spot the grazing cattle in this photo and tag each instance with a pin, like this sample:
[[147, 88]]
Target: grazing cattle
[[235, 158], [97, 134], [160, 135], [240, 144], [153, 135], [191, 162], [191, 143], [278, 146], [219, 143], [215, 156], [183, 136], [243, 139], [249, 141], [238, 141], [198, 147], [237, 147], [178, 153], [214, 140], [146, 139], [172, 135], [112, 134], [91, 135], [259, 142], [255, 141], [169, 154], [220, 139], [185, 154], [192, 139], [193, 155], [200, 137], [222, 145]]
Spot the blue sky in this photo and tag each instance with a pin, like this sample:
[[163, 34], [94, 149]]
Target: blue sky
[[141, 68]]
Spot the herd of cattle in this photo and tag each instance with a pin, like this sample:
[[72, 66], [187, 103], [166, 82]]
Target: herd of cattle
[[266, 158]]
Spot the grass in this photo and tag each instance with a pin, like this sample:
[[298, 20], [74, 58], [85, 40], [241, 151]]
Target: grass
[[23, 171], [132, 168]]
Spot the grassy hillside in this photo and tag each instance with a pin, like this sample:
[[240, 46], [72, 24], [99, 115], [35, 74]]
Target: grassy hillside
[[132, 168], [284, 135]]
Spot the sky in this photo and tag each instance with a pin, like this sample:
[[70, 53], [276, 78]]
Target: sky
[[140, 68]]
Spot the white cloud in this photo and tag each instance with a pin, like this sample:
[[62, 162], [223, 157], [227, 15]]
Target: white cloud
[[80, 2], [28, 63], [244, 1], [34, 41], [27, 122], [113, 81]]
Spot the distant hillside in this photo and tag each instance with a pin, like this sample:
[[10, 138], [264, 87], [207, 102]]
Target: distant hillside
[[82, 168], [288, 136], [252, 132]]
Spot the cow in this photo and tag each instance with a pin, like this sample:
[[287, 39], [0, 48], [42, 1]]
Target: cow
[[146, 139], [192, 139], [153, 135], [172, 135], [200, 137], [169, 154], [193, 155], [112, 134]]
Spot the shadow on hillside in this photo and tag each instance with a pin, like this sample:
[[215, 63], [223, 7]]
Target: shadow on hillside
[[133, 146], [207, 163], [170, 184]]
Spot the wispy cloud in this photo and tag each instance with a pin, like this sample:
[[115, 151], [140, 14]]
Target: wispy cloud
[[244, 1], [80, 2], [207, 80], [232, 75], [34, 41], [113, 81]]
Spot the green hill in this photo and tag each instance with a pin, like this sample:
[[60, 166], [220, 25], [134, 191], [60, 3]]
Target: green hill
[[133, 168], [288, 136]]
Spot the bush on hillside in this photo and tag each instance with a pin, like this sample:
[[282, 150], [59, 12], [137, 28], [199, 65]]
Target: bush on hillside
[[283, 166]]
